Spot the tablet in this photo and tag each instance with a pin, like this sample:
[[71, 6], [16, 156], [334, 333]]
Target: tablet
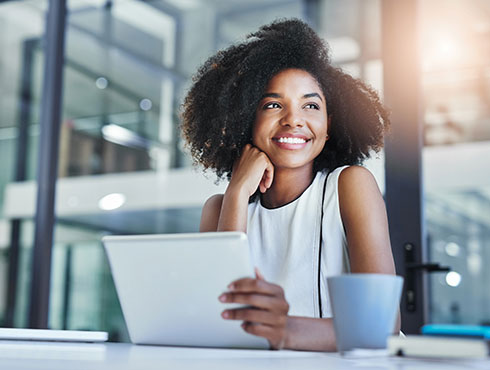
[[168, 286]]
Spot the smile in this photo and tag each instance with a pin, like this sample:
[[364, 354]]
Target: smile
[[291, 140], [291, 143]]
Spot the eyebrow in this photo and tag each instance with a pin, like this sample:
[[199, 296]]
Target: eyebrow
[[306, 96], [312, 95]]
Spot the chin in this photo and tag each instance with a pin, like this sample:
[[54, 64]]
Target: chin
[[289, 165]]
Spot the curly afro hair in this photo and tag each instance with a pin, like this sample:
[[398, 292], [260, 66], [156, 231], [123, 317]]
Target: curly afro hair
[[219, 110]]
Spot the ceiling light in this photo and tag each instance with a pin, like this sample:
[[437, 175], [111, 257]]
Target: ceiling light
[[452, 249], [101, 83], [145, 104], [112, 201], [453, 278]]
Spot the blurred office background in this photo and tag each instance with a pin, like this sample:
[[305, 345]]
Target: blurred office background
[[123, 167]]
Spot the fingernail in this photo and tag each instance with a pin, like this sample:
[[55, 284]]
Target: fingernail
[[225, 314], [222, 298], [231, 286]]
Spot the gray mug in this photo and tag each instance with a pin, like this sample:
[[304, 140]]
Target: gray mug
[[364, 308]]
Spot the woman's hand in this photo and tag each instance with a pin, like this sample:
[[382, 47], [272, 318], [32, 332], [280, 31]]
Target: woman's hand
[[267, 315], [251, 170]]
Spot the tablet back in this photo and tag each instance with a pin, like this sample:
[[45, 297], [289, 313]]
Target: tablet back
[[168, 286]]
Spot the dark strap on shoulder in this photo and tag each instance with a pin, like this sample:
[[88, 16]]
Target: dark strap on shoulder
[[320, 246]]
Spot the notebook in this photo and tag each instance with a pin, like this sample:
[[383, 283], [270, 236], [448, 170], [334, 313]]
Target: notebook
[[438, 347], [52, 335]]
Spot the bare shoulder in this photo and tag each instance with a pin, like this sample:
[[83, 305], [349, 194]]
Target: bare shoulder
[[210, 213], [214, 201], [358, 189], [354, 177]]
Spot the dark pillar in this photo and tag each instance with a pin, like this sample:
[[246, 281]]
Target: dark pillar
[[404, 190], [20, 172], [47, 163], [67, 285]]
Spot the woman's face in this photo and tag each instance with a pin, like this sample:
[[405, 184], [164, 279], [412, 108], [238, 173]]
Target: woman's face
[[291, 120]]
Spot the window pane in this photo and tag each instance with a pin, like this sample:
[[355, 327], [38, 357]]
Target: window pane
[[456, 86], [22, 25]]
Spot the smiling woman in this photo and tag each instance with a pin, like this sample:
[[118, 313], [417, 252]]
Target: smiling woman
[[288, 130]]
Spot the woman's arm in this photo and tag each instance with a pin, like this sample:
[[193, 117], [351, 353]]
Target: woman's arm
[[309, 334], [228, 212], [210, 213], [364, 217]]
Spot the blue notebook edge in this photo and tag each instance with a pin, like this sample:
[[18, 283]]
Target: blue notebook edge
[[456, 330]]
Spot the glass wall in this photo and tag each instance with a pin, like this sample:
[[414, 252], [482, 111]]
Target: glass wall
[[22, 25], [455, 39], [353, 31]]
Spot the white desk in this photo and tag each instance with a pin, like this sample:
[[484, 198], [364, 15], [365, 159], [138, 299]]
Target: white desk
[[70, 356]]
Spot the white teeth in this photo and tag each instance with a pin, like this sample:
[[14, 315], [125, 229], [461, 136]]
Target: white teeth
[[291, 140]]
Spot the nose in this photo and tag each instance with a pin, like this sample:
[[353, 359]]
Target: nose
[[292, 117]]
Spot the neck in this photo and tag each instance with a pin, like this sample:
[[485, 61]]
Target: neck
[[287, 186]]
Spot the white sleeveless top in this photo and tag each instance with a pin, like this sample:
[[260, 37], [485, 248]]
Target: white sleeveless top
[[284, 245]]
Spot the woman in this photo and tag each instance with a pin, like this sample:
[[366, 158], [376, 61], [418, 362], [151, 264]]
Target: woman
[[289, 131]]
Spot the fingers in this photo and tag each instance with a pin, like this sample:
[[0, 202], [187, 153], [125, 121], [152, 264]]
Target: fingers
[[266, 311], [262, 186], [258, 274], [256, 300], [255, 316], [252, 170], [257, 329], [268, 176], [260, 286]]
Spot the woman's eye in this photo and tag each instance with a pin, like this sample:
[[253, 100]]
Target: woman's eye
[[312, 106], [271, 106]]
